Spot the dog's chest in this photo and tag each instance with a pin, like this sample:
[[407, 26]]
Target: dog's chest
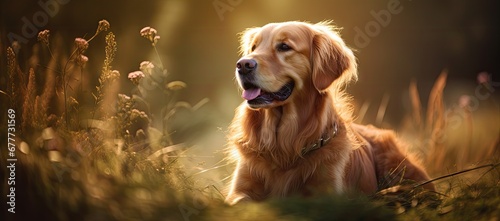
[[303, 178]]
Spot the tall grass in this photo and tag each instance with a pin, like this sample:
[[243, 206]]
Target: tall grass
[[111, 164]]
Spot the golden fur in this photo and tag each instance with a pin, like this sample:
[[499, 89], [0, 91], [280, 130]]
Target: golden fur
[[267, 140]]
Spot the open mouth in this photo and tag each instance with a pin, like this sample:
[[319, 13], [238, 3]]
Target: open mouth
[[255, 96]]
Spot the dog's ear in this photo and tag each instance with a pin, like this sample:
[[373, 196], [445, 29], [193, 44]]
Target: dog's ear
[[247, 40], [331, 59]]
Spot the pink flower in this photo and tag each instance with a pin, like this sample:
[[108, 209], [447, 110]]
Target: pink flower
[[483, 77], [147, 67], [148, 31], [464, 101], [156, 39], [136, 76], [123, 98], [81, 60], [150, 34], [81, 44]]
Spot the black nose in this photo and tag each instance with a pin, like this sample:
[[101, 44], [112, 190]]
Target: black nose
[[246, 66]]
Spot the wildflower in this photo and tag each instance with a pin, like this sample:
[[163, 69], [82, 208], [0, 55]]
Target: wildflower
[[108, 76], [156, 39], [483, 77], [147, 67], [136, 76], [43, 36], [148, 31], [114, 75], [464, 101], [81, 60], [123, 97], [123, 101], [150, 34], [139, 120], [103, 25], [81, 45]]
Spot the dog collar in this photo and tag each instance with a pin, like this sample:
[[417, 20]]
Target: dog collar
[[322, 141]]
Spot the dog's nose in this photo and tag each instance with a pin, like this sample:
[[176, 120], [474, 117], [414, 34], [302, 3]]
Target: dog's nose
[[245, 65]]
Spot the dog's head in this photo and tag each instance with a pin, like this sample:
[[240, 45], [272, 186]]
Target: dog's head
[[281, 60]]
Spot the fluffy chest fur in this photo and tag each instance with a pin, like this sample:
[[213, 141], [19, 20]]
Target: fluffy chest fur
[[269, 152], [321, 170]]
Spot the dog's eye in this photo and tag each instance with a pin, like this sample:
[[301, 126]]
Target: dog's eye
[[253, 47], [283, 47]]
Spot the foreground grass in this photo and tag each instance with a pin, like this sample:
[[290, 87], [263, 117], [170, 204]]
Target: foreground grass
[[91, 191]]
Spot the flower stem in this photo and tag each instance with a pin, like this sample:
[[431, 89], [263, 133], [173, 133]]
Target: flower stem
[[159, 57]]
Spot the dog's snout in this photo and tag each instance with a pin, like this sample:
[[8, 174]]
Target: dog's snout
[[245, 65]]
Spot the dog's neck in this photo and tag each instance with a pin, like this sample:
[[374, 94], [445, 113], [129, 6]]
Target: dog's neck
[[281, 133], [322, 141]]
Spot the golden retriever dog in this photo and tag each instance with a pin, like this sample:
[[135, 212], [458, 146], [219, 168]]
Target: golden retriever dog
[[294, 133]]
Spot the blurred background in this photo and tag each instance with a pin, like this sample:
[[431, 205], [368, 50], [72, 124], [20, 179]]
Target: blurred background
[[199, 38]]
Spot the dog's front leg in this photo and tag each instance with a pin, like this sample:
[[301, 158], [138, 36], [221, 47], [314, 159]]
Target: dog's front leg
[[244, 186]]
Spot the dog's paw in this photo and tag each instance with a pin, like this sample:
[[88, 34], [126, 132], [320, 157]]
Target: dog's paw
[[237, 199]]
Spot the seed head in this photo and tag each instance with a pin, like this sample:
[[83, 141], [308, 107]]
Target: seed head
[[103, 25], [43, 36], [16, 47]]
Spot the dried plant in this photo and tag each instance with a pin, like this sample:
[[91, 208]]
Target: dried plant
[[76, 168], [103, 26], [122, 118], [28, 120], [110, 51], [78, 57], [43, 101], [11, 70], [152, 35], [109, 88], [43, 37], [416, 106], [446, 138], [108, 76], [435, 107]]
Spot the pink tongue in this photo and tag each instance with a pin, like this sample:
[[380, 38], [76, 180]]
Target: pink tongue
[[251, 94]]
